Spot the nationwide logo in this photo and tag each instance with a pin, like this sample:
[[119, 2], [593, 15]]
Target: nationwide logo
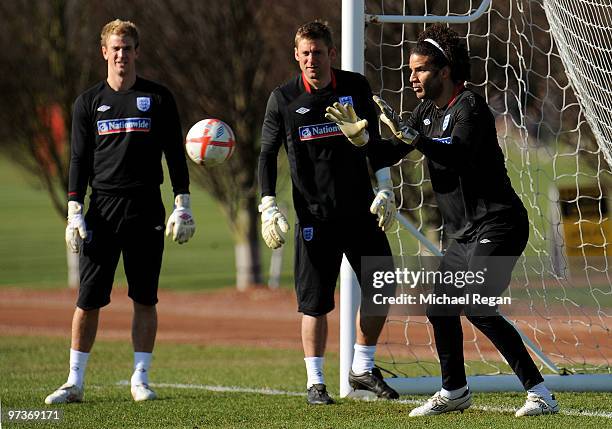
[[445, 140], [103, 108], [124, 125], [319, 131]]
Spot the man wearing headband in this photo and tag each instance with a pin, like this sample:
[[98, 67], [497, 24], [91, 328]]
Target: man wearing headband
[[484, 219]]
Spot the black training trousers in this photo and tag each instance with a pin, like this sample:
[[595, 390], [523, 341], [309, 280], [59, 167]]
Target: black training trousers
[[495, 249]]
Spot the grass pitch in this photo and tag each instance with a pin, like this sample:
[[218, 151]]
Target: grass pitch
[[193, 384]]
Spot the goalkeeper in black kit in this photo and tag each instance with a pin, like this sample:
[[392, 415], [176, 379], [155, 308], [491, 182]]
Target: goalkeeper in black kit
[[337, 211], [483, 217], [120, 129]]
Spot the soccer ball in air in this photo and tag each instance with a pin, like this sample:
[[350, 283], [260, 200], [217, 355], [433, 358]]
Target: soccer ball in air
[[210, 142]]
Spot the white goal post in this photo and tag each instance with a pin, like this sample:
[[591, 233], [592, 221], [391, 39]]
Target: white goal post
[[555, 129]]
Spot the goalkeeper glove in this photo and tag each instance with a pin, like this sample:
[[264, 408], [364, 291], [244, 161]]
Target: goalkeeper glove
[[384, 202], [394, 122], [274, 224], [349, 123], [180, 223], [76, 231]]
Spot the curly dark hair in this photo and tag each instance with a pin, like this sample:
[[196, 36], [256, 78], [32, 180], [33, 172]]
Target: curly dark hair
[[454, 54]]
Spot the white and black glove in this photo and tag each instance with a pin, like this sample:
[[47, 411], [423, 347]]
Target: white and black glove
[[274, 225], [353, 127], [180, 223], [76, 230], [400, 130], [384, 203]]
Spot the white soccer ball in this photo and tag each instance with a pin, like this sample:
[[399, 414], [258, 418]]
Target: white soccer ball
[[210, 142]]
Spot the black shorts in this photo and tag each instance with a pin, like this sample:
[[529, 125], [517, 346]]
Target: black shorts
[[318, 255], [492, 252], [132, 226]]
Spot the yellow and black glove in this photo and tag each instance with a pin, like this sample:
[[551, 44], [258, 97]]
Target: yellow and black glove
[[353, 127], [392, 120]]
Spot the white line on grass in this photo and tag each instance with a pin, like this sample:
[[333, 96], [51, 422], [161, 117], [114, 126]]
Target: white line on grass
[[233, 389], [264, 391]]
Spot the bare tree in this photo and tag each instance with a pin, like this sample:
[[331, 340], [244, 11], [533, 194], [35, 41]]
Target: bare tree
[[42, 73], [227, 78], [222, 58]]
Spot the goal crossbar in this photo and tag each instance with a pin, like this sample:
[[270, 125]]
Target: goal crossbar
[[428, 19]]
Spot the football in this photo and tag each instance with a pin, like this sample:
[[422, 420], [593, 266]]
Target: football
[[210, 142]]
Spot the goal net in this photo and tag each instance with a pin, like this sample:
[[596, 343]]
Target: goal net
[[545, 69]]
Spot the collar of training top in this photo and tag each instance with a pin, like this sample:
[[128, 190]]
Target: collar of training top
[[307, 85], [458, 90]]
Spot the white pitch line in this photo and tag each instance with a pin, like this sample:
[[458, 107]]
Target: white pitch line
[[263, 391], [232, 389]]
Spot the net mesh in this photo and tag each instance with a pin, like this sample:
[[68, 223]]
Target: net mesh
[[520, 52]]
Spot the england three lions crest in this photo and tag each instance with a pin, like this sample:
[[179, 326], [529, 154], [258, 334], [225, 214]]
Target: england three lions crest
[[308, 233], [143, 103], [446, 121]]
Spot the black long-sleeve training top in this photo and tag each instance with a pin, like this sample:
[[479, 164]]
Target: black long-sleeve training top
[[465, 162], [329, 175], [118, 138]]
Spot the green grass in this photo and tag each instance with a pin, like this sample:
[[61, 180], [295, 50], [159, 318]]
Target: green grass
[[32, 253], [31, 368]]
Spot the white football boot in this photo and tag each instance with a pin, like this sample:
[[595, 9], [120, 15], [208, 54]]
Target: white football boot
[[142, 392], [537, 405], [65, 394], [439, 404]]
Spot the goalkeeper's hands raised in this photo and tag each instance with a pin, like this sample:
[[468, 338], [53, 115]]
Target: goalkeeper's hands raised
[[76, 230], [384, 203], [274, 225], [353, 127], [180, 223], [392, 120]]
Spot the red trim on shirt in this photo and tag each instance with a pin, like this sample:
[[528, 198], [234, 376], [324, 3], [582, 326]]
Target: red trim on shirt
[[307, 85], [458, 90]]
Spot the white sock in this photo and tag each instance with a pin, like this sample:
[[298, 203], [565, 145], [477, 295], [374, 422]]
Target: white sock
[[541, 390], [142, 363], [453, 394], [363, 359], [314, 370], [78, 363]]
